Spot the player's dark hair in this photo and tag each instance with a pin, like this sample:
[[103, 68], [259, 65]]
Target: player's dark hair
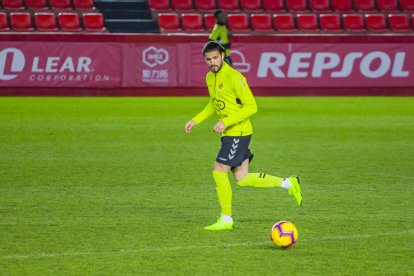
[[217, 13], [213, 46]]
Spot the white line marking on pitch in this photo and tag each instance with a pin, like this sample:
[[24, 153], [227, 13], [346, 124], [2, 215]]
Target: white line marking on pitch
[[175, 248]]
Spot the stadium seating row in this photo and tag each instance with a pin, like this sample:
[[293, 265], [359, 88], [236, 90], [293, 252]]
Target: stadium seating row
[[46, 21], [61, 5], [291, 22], [323, 6]]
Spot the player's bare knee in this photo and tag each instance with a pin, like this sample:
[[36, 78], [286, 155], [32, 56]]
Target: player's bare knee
[[239, 175], [221, 167]]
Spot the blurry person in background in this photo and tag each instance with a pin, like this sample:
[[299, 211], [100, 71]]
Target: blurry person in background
[[220, 34]]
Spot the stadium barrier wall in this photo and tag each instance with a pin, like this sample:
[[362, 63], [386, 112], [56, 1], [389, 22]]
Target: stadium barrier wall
[[108, 64]]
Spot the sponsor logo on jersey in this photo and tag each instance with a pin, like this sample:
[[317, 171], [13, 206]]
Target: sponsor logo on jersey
[[220, 105]]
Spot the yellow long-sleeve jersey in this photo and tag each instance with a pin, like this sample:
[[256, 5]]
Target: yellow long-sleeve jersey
[[232, 100], [220, 34]]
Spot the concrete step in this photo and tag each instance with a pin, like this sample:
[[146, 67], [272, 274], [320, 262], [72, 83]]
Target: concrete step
[[134, 25], [121, 5], [126, 14], [129, 31]]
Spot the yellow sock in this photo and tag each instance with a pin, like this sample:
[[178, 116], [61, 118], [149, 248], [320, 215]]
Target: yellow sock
[[260, 180], [224, 192]]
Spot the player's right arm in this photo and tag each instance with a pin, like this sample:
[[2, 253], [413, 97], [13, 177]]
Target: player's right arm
[[208, 110], [189, 126]]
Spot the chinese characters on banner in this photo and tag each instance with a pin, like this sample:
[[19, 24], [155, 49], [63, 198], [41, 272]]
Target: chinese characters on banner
[[156, 65]]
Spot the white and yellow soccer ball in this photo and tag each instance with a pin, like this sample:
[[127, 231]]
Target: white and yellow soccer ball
[[284, 234]]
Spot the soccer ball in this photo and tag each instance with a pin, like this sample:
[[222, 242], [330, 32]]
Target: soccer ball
[[284, 234]]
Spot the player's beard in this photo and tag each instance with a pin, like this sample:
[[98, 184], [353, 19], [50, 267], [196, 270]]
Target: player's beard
[[216, 68]]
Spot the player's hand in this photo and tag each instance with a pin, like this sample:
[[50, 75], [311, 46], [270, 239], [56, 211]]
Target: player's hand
[[219, 127], [189, 126]]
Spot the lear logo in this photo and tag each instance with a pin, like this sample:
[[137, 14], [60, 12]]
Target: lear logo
[[11, 62], [153, 56]]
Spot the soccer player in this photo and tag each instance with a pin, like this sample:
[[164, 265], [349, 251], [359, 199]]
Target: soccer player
[[220, 33], [233, 102]]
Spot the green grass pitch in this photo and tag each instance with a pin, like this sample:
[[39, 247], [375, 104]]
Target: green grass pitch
[[109, 186]]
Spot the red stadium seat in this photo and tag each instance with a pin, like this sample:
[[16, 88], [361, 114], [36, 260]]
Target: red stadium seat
[[354, 23], [262, 22], [159, 5], [376, 22], [192, 22], [13, 4], [46, 22], [308, 23], [342, 5], [69, 22], [21, 21], [169, 22], [93, 22], [205, 5], [388, 5], [238, 22], [399, 23], [330, 22], [284, 23], [320, 5], [209, 21], [61, 5], [251, 5], [407, 5], [182, 5], [37, 4], [365, 5], [4, 25], [274, 5], [83, 5], [229, 5], [296, 5]]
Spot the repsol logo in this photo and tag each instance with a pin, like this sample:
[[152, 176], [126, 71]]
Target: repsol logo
[[371, 65]]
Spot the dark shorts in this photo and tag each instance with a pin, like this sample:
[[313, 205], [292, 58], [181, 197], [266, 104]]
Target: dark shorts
[[234, 150]]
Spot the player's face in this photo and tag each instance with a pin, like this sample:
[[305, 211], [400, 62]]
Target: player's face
[[214, 60]]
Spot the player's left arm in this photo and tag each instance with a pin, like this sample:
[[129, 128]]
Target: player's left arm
[[245, 98]]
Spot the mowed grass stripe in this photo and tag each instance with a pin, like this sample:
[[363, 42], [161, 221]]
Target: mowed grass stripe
[[198, 247]]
